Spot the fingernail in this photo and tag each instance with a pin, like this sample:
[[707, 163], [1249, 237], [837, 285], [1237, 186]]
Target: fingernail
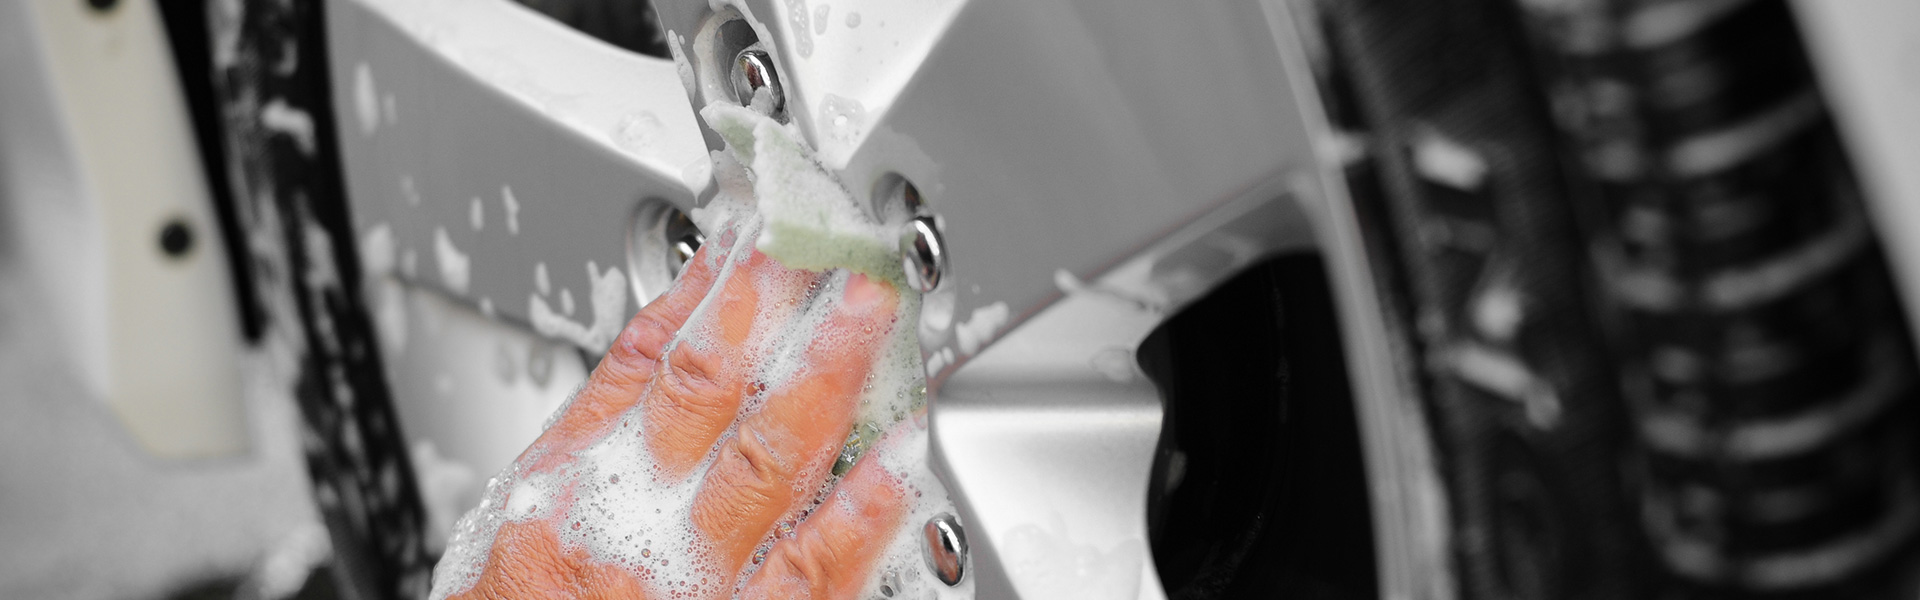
[[863, 293]]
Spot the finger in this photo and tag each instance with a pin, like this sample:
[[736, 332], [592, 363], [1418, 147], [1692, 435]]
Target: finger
[[528, 560], [696, 394], [833, 552], [629, 365], [780, 452], [525, 561]]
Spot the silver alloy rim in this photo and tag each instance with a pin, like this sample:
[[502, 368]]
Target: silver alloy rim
[[1064, 189]]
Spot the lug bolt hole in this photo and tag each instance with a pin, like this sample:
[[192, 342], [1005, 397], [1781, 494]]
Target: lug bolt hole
[[684, 240], [660, 241]]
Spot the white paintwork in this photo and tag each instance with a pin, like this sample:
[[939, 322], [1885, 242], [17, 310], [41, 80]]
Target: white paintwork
[[156, 337], [477, 390]]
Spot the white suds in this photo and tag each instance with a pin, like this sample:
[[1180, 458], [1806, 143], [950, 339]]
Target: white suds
[[288, 564], [444, 486], [385, 297], [812, 222], [797, 27], [455, 266], [1497, 312], [377, 250], [978, 329], [284, 119], [637, 133], [609, 301], [511, 207], [364, 104], [1447, 162], [610, 498], [680, 63]]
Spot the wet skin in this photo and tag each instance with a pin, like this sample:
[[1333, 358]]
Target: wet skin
[[750, 481]]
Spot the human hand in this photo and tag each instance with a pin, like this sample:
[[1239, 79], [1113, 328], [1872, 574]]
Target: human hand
[[698, 460]]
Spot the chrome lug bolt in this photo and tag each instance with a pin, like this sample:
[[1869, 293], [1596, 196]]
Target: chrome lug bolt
[[683, 240], [753, 71], [923, 253], [946, 548]]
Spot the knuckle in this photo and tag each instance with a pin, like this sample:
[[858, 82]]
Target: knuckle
[[766, 468], [523, 563], [815, 559], [690, 386], [738, 488], [639, 346]]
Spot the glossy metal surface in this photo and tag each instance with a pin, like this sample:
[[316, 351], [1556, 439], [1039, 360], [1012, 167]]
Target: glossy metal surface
[[924, 253], [752, 72], [1089, 171], [1047, 436], [1045, 135], [945, 548]]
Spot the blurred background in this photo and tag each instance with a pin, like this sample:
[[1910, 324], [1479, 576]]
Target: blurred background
[[1535, 298]]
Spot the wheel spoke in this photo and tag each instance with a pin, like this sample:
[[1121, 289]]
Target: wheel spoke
[[489, 144]]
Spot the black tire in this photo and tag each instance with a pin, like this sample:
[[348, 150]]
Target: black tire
[[280, 196]]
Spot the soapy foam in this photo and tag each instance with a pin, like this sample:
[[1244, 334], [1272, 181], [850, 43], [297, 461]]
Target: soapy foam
[[284, 119], [511, 206], [365, 106], [609, 301], [611, 498], [455, 266], [811, 220]]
